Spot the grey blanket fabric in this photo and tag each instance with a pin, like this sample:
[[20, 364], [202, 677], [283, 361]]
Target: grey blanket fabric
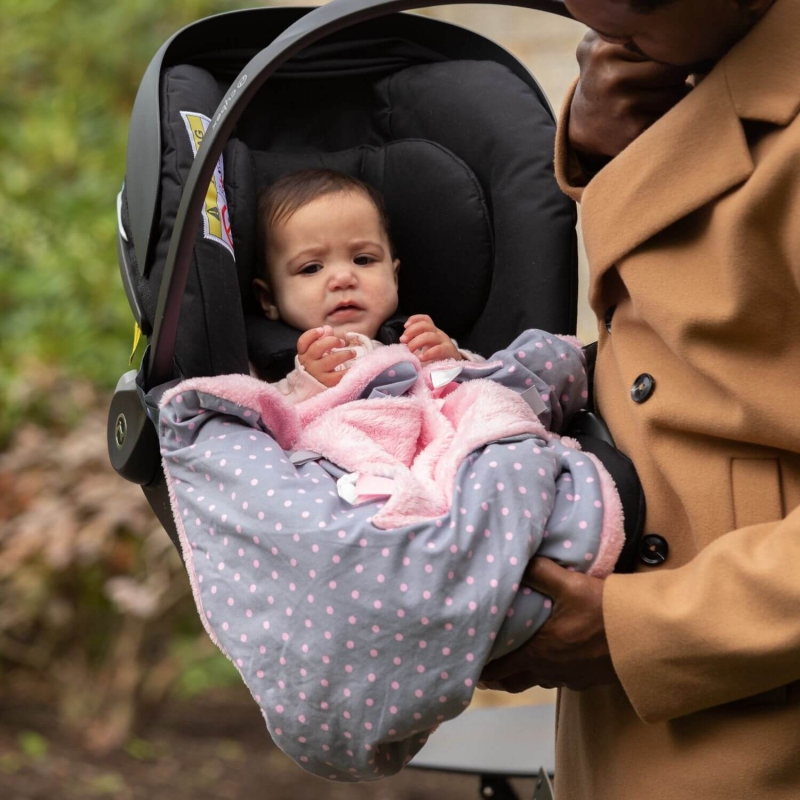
[[355, 641]]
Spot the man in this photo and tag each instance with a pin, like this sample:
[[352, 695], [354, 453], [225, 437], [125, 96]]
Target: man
[[682, 142]]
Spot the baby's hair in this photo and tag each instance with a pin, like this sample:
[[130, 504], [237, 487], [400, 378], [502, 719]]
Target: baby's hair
[[277, 202]]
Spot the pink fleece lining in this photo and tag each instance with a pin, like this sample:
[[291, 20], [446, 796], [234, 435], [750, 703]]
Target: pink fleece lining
[[417, 440], [612, 535], [249, 393], [358, 377]]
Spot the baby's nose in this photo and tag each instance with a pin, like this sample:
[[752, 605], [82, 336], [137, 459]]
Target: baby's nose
[[343, 275]]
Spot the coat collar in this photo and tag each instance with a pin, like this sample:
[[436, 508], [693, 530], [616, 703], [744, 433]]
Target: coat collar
[[763, 70], [698, 150]]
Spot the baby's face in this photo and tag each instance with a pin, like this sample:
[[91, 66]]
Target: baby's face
[[330, 263]]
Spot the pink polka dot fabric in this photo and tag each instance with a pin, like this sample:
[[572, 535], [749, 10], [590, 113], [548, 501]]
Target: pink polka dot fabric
[[356, 641]]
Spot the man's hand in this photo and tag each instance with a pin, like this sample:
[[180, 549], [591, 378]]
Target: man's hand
[[619, 95], [314, 354], [571, 649], [425, 340]]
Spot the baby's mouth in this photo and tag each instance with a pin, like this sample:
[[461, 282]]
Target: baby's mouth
[[345, 311]]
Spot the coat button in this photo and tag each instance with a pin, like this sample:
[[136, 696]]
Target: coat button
[[653, 550], [643, 387], [609, 315]]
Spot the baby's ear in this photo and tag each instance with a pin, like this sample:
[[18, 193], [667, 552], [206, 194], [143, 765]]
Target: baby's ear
[[396, 265], [266, 300]]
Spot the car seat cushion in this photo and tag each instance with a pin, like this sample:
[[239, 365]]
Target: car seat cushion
[[440, 227]]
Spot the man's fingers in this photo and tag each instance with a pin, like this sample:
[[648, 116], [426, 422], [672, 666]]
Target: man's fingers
[[545, 576], [627, 64], [502, 668], [520, 682]]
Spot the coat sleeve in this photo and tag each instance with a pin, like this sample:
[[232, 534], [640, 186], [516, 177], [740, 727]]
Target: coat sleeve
[[726, 625], [675, 644]]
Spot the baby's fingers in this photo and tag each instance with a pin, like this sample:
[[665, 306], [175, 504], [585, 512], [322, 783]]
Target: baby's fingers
[[427, 339], [323, 346], [309, 337], [329, 362], [439, 352], [417, 318], [419, 327], [331, 379]]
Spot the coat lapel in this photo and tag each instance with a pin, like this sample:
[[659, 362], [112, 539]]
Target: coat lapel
[[687, 158], [763, 70]]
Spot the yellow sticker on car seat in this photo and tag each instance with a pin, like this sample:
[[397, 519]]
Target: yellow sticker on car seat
[[137, 336], [216, 222]]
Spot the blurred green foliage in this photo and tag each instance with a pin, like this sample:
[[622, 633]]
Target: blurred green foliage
[[32, 744], [198, 674], [70, 70]]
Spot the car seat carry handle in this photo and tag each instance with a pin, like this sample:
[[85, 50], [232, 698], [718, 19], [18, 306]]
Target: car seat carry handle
[[310, 28]]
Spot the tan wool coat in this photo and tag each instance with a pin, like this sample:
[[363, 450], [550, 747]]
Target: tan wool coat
[[693, 239]]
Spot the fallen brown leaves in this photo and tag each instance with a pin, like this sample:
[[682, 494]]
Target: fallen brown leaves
[[91, 588]]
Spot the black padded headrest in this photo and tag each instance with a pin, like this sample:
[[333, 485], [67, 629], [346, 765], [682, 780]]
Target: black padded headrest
[[440, 227]]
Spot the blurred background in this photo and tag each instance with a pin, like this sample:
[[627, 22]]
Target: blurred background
[[108, 685]]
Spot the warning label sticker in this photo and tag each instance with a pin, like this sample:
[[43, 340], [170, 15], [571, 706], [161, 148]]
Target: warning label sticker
[[216, 223]]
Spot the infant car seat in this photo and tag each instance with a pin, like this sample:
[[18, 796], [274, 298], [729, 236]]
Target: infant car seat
[[454, 131]]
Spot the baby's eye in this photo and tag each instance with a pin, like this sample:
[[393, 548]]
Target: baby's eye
[[363, 260], [310, 269]]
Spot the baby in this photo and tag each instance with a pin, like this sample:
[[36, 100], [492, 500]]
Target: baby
[[331, 272]]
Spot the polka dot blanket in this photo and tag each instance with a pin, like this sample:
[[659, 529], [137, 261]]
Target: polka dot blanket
[[358, 556]]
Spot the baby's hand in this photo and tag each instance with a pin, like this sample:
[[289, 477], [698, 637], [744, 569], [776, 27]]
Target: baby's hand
[[314, 354], [425, 340]]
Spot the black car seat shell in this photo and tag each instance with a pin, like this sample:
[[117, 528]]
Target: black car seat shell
[[452, 128]]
